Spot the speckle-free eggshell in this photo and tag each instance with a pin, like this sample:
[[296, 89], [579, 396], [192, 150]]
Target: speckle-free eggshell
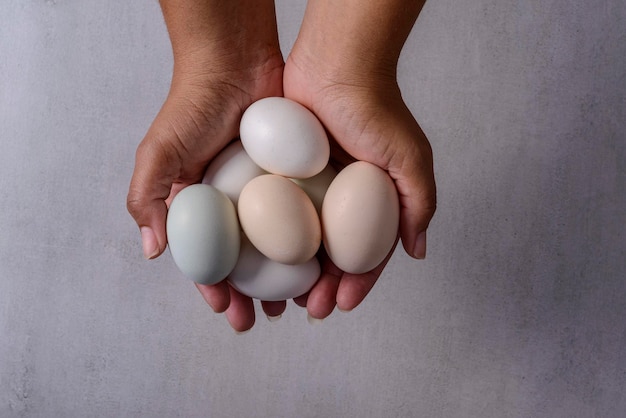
[[315, 187], [360, 217], [283, 137], [203, 233], [279, 219], [261, 278], [231, 170]]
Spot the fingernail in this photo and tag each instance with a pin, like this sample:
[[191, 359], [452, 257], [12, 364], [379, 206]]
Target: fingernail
[[273, 318], [149, 242], [419, 250], [343, 310], [313, 321], [242, 332]]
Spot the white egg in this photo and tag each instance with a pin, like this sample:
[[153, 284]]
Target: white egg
[[283, 137], [315, 187], [203, 233], [230, 170], [261, 278]]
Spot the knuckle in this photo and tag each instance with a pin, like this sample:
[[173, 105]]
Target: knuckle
[[134, 204]]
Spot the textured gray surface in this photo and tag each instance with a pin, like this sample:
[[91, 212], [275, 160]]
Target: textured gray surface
[[518, 310]]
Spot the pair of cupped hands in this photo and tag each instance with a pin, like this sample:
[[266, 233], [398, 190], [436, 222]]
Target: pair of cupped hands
[[364, 115]]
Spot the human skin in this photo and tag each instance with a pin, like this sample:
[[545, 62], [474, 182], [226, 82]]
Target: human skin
[[342, 67], [226, 56]]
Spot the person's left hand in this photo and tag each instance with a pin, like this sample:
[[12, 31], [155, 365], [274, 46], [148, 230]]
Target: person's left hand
[[367, 120]]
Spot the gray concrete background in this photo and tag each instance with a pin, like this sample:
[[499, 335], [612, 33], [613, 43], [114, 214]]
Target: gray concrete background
[[518, 311]]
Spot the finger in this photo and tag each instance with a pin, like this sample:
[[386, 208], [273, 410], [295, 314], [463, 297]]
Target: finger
[[411, 167], [156, 166], [217, 296], [322, 297], [240, 312], [301, 300], [174, 151], [353, 288], [273, 310]]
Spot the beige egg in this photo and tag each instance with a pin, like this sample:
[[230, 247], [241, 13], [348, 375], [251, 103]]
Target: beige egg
[[279, 219], [360, 217]]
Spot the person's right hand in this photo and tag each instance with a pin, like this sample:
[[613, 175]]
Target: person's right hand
[[200, 116], [226, 56]]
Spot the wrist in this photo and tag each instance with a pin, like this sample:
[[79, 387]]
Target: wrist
[[355, 40], [329, 75], [226, 63], [337, 68], [213, 37]]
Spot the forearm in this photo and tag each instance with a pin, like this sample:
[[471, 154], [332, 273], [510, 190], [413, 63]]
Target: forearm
[[358, 36], [221, 35]]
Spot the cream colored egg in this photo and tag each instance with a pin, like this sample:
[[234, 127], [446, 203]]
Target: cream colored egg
[[231, 170], [203, 233], [283, 137], [261, 278], [279, 219], [360, 217]]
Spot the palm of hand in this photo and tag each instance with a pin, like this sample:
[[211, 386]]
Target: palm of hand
[[368, 123], [199, 117]]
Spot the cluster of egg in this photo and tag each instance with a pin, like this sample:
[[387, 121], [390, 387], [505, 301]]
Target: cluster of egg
[[269, 200]]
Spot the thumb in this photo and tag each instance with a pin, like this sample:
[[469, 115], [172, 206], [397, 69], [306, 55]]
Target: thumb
[[412, 170], [173, 154], [149, 187], [157, 164]]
